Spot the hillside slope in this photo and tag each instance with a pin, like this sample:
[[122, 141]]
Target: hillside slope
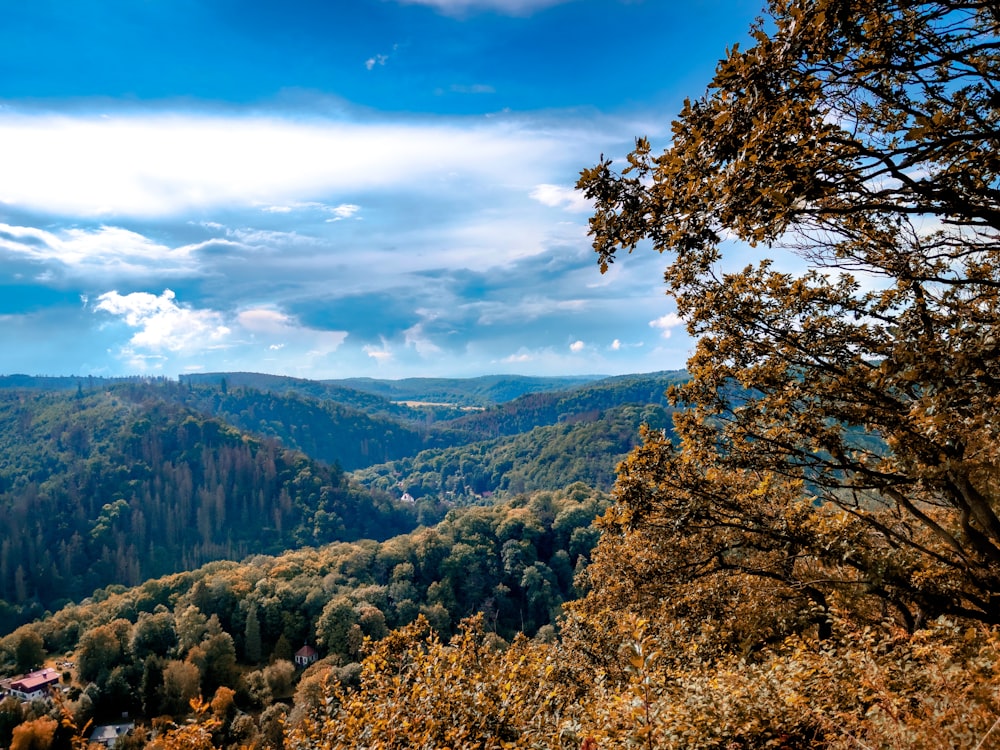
[[117, 487]]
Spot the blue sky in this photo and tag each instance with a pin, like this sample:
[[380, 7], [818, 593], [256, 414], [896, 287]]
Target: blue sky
[[332, 189]]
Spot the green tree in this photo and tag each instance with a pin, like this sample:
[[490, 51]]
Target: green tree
[[102, 649], [191, 625], [181, 683], [334, 625], [858, 142], [29, 650], [11, 714], [283, 649], [151, 687], [280, 677], [219, 658], [153, 634], [251, 636]]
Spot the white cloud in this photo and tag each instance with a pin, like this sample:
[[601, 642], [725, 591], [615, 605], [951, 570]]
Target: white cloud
[[577, 346], [162, 323], [264, 320], [91, 166], [269, 323], [380, 60], [343, 211], [518, 358], [250, 236], [168, 329], [415, 336], [380, 354], [533, 308], [667, 323], [560, 196]]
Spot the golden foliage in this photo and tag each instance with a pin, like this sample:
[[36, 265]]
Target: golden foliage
[[419, 692], [871, 375], [34, 735], [195, 735]]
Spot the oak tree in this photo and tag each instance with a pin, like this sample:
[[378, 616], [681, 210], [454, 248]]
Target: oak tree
[[856, 144]]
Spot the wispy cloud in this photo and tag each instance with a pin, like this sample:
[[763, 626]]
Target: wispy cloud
[[380, 354], [510, 7], [107, 251], [381, 59], [279, 330], [476, 88], [343, 211]]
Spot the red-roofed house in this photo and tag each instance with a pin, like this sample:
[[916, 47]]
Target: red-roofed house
[[34, 684], [306, 656]]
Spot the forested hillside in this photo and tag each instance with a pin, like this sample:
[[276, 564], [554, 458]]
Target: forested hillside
[[585, 448], [118, 486], [323, 428], [365, 401], [539, 409], [469, 392], [229, 629]]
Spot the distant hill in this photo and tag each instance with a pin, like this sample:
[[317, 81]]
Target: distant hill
[[355, 439], [68, 382], [481, 391], [586, 449], [387, 395], [362, 400], [539, 409]]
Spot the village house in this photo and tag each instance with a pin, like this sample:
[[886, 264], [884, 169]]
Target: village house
[[33, 685], [306, 656], [108, 734]]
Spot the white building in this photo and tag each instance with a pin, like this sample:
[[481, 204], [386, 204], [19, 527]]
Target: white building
[[34, 684], [108, 734]]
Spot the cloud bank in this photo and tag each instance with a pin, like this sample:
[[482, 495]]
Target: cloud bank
[[146, 165]]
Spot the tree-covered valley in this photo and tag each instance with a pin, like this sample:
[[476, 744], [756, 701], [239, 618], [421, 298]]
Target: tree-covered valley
[[118, 495], [113, 483]]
